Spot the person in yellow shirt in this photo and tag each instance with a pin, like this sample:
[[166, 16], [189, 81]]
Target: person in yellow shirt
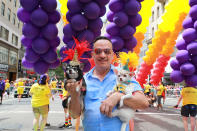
[[147, 89], [20, 89], [40, 101], [189, 106], [7, 87], [159, 89], [53, 87]]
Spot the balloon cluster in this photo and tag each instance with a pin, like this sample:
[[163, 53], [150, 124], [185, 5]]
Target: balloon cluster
[[167, 50], [185, 65], [39, 34], [84, 23], [124, 19]]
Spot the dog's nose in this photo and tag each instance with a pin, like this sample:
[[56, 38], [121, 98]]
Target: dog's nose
[[70, 71], [120, 79]]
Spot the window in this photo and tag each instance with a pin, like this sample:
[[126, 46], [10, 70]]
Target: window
[[2, 9], [15, 2], [14, 19], [3, 55], [12, 58], [4, 33], [9, 12], [152, 16], [14, 39], [153, 31], [158, 12]]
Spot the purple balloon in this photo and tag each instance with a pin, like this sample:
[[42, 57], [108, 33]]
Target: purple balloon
[[23, 15], [191, 80], [86, 35], [117, 43], [55, 64], [92, 10], [30, 31], [55, 42], [193, 12], [124, 50], [176, 76], [187, 69], [112, 29], [49, 5], [26, 64], [192, 2], [29, 5], [127, 32], [97, 34], [182, 56], [50, 31], [50, 56], [194, 60], [74, 6], [39, 17], [79, 22], [195, 25], [110, 16], [26, 42], [41, 67], [54, 17], [40, 45], [66, 40], [68, 31], [70, 44], [181, 44], [135, 20], [95, 25], [102, 2], [121, 19], [107, 35], [132, 7], [31, 56], [69, 16], [86, 67], [102, 11], [85, 1], [175, 64], [130, 43], [188, 23], [115, 5], [189, 35], [192, 48]]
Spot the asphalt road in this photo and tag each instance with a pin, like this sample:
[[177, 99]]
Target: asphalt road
[[18, 116]]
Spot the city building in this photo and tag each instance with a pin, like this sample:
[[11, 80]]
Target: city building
[[10, 33]]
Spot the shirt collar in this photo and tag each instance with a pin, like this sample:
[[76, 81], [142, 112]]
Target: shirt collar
[[90, 73]]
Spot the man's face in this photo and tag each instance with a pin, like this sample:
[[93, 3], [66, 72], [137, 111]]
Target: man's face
[[102, 53]]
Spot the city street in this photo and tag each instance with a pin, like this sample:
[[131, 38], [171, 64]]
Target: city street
[[15, 116]]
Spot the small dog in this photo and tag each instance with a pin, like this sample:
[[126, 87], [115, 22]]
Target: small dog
[[124, 85]]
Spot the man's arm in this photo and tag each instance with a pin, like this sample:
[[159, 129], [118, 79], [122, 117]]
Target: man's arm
[[138, 101]]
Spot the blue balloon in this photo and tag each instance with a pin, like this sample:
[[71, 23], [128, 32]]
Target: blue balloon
[[23, 15], [50, 31], [30, 31], [49, 5], [39, 17], [40, 45], [29, 5]]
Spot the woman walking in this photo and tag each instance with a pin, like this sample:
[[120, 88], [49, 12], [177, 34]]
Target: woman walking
[[40, 101]]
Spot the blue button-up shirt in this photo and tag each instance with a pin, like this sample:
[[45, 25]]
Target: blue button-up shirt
[[2, 85], [96, 92]]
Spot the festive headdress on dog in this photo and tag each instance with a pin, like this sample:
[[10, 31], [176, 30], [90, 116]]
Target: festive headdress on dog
[[74, 54], [129, 61]]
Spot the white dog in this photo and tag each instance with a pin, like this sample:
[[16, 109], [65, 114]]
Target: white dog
[[125, 86]]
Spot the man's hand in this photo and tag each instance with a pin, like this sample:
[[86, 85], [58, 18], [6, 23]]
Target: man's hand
[[71, 87], [109, 103]]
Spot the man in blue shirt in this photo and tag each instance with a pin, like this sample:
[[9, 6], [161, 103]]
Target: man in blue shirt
[[2, 88], [100, 80]]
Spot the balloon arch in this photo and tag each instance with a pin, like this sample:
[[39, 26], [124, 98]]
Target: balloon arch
[[128, 22]]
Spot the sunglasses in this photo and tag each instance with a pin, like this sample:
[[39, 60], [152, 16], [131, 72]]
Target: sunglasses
[[99, 51]]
